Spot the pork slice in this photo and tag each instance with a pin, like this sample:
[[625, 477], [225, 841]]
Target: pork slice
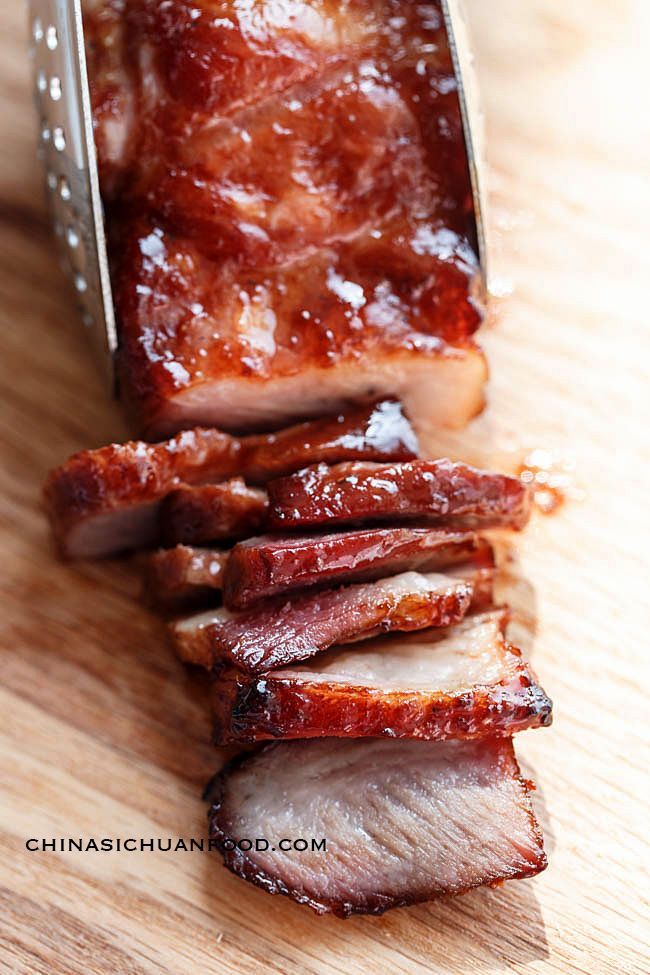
[[403, 821], [283, 631], [376, 431], [442, 491], [103, 501], [468, 683], [264, 566], [185, 576], [212, 512]]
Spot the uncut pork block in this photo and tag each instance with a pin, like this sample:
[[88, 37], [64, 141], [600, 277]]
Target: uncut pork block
[[289, 210]]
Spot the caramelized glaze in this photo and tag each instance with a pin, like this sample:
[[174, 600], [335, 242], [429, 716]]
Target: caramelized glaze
[[291, 191]]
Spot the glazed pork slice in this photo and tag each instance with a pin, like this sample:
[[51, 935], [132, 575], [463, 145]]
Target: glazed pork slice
[[184, 576], [283, 631], [212, 512], [262, 567], [467, 682], [442, 491], [403, 821], [104, 501]]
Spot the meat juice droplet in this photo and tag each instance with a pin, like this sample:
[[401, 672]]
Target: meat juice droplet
[[552, 478]]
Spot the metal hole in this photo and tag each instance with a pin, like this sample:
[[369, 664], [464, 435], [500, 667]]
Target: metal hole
[[58, 138], [37, 30], [41, 81], [64, 189], [55, 88], [80, 283], [72, 237], [58, 228], [87, 319], [52, 181], [51, 38]]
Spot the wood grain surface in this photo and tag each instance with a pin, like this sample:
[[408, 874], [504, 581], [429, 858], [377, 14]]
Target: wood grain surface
[[102, 732]]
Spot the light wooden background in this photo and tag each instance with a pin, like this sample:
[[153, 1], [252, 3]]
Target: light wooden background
[[102, 732]]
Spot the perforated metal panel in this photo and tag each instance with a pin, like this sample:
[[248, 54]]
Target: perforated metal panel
[[67, 149]]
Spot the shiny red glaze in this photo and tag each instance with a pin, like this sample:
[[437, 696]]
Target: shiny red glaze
[[248, 710], [446, 492], [182, 576], [262, 567], [212, 512], [101, 501], [294, 192], [286, 630]]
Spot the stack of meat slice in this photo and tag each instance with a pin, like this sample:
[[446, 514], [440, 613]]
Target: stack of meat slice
[[340, 591]]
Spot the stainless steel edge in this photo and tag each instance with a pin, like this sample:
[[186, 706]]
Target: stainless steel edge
[[473, 122]]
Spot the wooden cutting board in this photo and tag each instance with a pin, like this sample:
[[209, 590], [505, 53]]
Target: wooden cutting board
[[104, 734]]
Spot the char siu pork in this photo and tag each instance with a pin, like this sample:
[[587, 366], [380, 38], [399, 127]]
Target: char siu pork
[[289, 210], [262, 567], [287, 630], [107, 500], [438, 490], [185, 576], [467, 682], [403, 821], [212, 512]]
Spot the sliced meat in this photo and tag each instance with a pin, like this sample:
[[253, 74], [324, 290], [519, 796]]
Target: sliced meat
[[104, 501], [440, 490], [283, 631], [212, 512], [467, 683], [262, 567], [185, 576], [403, 821], [378, 431]]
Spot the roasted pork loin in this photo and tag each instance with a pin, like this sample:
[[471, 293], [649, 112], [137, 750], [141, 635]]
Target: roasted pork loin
[[289, 210], [104, 501], [286, 630], [438, 490], [212, 512], [404, 821], [265, 566], [185, 576], [467, 682]]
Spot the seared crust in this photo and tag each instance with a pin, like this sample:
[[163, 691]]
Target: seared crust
[[243, 864], [135, 475], [184, 576], [378, 431], [126, 482], [212, 512], [262, 567], [439, 490], [284, 631], [252, 709], [290, 198]]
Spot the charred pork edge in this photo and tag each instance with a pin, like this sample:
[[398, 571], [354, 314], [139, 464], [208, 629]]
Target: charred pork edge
[[242, 866]]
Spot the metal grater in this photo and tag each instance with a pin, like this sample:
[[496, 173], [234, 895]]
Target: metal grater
[[67, 150]]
